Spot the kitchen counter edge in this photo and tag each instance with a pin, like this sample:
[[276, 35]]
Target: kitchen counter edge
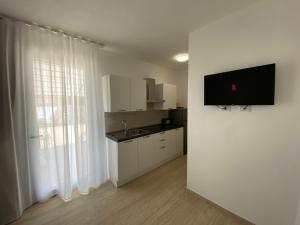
[[152, 130]]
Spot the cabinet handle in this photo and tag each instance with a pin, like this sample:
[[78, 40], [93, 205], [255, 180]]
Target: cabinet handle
[[161, 140], [128, 141], [146, 136], [162, 147]]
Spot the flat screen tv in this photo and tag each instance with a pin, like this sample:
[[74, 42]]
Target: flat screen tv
[[250, 86]]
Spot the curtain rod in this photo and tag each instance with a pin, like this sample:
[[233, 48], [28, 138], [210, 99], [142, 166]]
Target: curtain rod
[[49, 28]]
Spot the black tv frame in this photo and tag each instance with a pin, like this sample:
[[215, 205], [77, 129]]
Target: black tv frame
[[231, 77]]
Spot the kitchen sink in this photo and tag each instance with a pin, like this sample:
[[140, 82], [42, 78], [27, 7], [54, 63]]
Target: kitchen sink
[[134, 132], [131, 133]]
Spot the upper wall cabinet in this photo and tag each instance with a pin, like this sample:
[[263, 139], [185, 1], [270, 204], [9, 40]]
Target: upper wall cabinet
[[116, 93], [122, 94], [167, 94], [138, 95]]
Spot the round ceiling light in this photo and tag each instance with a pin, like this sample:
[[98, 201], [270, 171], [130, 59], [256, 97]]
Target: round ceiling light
[[183, 57]]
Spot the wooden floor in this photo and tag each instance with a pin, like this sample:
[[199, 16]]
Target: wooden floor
[[157, 198]]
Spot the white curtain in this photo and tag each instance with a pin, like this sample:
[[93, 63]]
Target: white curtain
[[54, 108]]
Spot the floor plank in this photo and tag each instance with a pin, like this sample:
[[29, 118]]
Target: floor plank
[[157, 198]]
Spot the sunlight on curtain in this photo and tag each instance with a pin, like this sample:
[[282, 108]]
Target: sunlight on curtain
[[68, 125], [53, 118], [61, 111]]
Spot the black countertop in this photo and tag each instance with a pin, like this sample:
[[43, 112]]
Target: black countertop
[[120, 136]]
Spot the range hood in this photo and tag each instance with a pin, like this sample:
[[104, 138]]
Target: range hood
[[151, 96]]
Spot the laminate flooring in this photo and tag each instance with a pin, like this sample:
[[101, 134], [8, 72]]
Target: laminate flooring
[[157, 198]]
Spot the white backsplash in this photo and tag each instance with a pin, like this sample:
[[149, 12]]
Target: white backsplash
[[113, 121]]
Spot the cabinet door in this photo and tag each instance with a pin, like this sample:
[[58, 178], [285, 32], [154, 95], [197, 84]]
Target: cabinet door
[[138, 95], [166, 92], [127, 159], [119, 93], [175, 140], [172, 143], [147, 150], [169, 92]]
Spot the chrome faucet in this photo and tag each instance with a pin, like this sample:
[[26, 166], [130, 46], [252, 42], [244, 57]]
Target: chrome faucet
[[125, 126]]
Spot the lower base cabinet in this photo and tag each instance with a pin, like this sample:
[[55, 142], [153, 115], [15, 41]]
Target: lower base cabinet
[[176, 145], [129, 159], [147, 146], [127, 152]]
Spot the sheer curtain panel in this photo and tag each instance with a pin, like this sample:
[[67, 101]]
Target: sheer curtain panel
[[52, 138]]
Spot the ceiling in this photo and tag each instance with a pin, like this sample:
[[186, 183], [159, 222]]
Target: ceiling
[[153, 30]]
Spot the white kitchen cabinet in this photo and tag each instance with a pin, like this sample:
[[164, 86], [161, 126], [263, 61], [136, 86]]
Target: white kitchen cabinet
[[122, 161], [138, 95], [175, 144], [116, 93], [167, 94], [122, 94], [147, 148], [127, 159], [171, 144], [130, 159]]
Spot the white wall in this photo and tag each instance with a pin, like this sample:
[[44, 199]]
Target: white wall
[[182, 90], [248, 162], [122, 65]]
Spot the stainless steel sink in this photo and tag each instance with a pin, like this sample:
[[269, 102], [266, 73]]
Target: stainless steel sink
[[135, 132]]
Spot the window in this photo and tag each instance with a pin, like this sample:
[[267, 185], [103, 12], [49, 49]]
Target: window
[[60, 98]]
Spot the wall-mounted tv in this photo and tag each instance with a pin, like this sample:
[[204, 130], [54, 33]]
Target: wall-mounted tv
[[250, 86]]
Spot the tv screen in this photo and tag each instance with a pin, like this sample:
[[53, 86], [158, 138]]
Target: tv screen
[[251, 86]]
